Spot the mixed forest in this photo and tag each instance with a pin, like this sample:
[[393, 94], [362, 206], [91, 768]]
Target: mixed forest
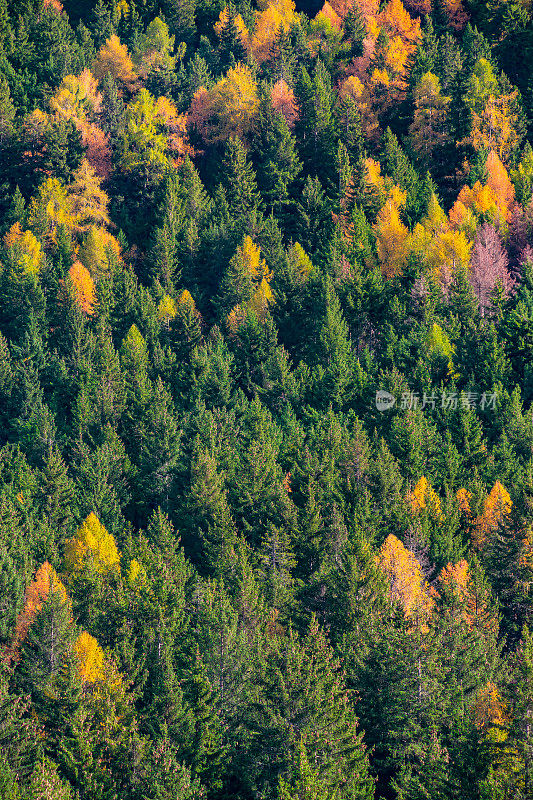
[[266, 400]]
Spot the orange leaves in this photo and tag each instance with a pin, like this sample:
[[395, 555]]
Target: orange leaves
[[83, 287], [406, 581], [329, 14], [37, 593], [228, 109], [283, 101], [496, 508], [113, 57], [498, 180]]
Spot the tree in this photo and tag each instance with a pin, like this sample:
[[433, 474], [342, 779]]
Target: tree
[[407, 585], [92, 547], [227, 110], [113, 58], [488, 267], [428, 131], [83, 287]]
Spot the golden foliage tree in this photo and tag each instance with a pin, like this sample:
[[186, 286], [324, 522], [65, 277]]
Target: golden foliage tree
[[27, 247], [92, 545], [496, 508], [424, 498], [274, 18], [83, 287], [113, 57], [230, 108], [392, 236], [90, 658], [88, 200], [407, 585]]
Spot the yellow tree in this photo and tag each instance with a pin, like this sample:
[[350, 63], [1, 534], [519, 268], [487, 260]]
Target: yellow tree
[[230, 108], [424, 498], [92, 546], [27, 247], [494, 119], [88, 200], [496, 509], [166, 310], [51, 208], [90, 658], [407, 585], [113, 57], [392, 236], [273, 18], [83, 287]]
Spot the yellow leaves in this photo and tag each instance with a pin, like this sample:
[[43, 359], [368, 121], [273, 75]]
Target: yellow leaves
[[225, 20], [277, 16], [77, 96], [28, 246], [489, 713], [380, 77], [260, 274], [92, 545], [398, 22], [88, 201], [251, 256], [83, 287], [166, 309], [392, 238], [51, 208], [113, 57], [228, 109], [136, 574], [90, 658], [96, 671], [496, 508], [406, 581], [424, 498], [397, 55], [463, 501]]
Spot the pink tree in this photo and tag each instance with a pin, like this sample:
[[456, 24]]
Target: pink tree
[[489, 266]]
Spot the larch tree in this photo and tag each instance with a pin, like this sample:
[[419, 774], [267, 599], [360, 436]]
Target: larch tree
[[489, 266], [113, 57], [92, 546], [428, 131]]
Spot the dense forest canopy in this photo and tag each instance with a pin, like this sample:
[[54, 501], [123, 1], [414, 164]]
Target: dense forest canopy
[[266, 386]]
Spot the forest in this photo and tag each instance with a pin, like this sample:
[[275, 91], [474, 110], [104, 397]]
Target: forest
[[266, 400]]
